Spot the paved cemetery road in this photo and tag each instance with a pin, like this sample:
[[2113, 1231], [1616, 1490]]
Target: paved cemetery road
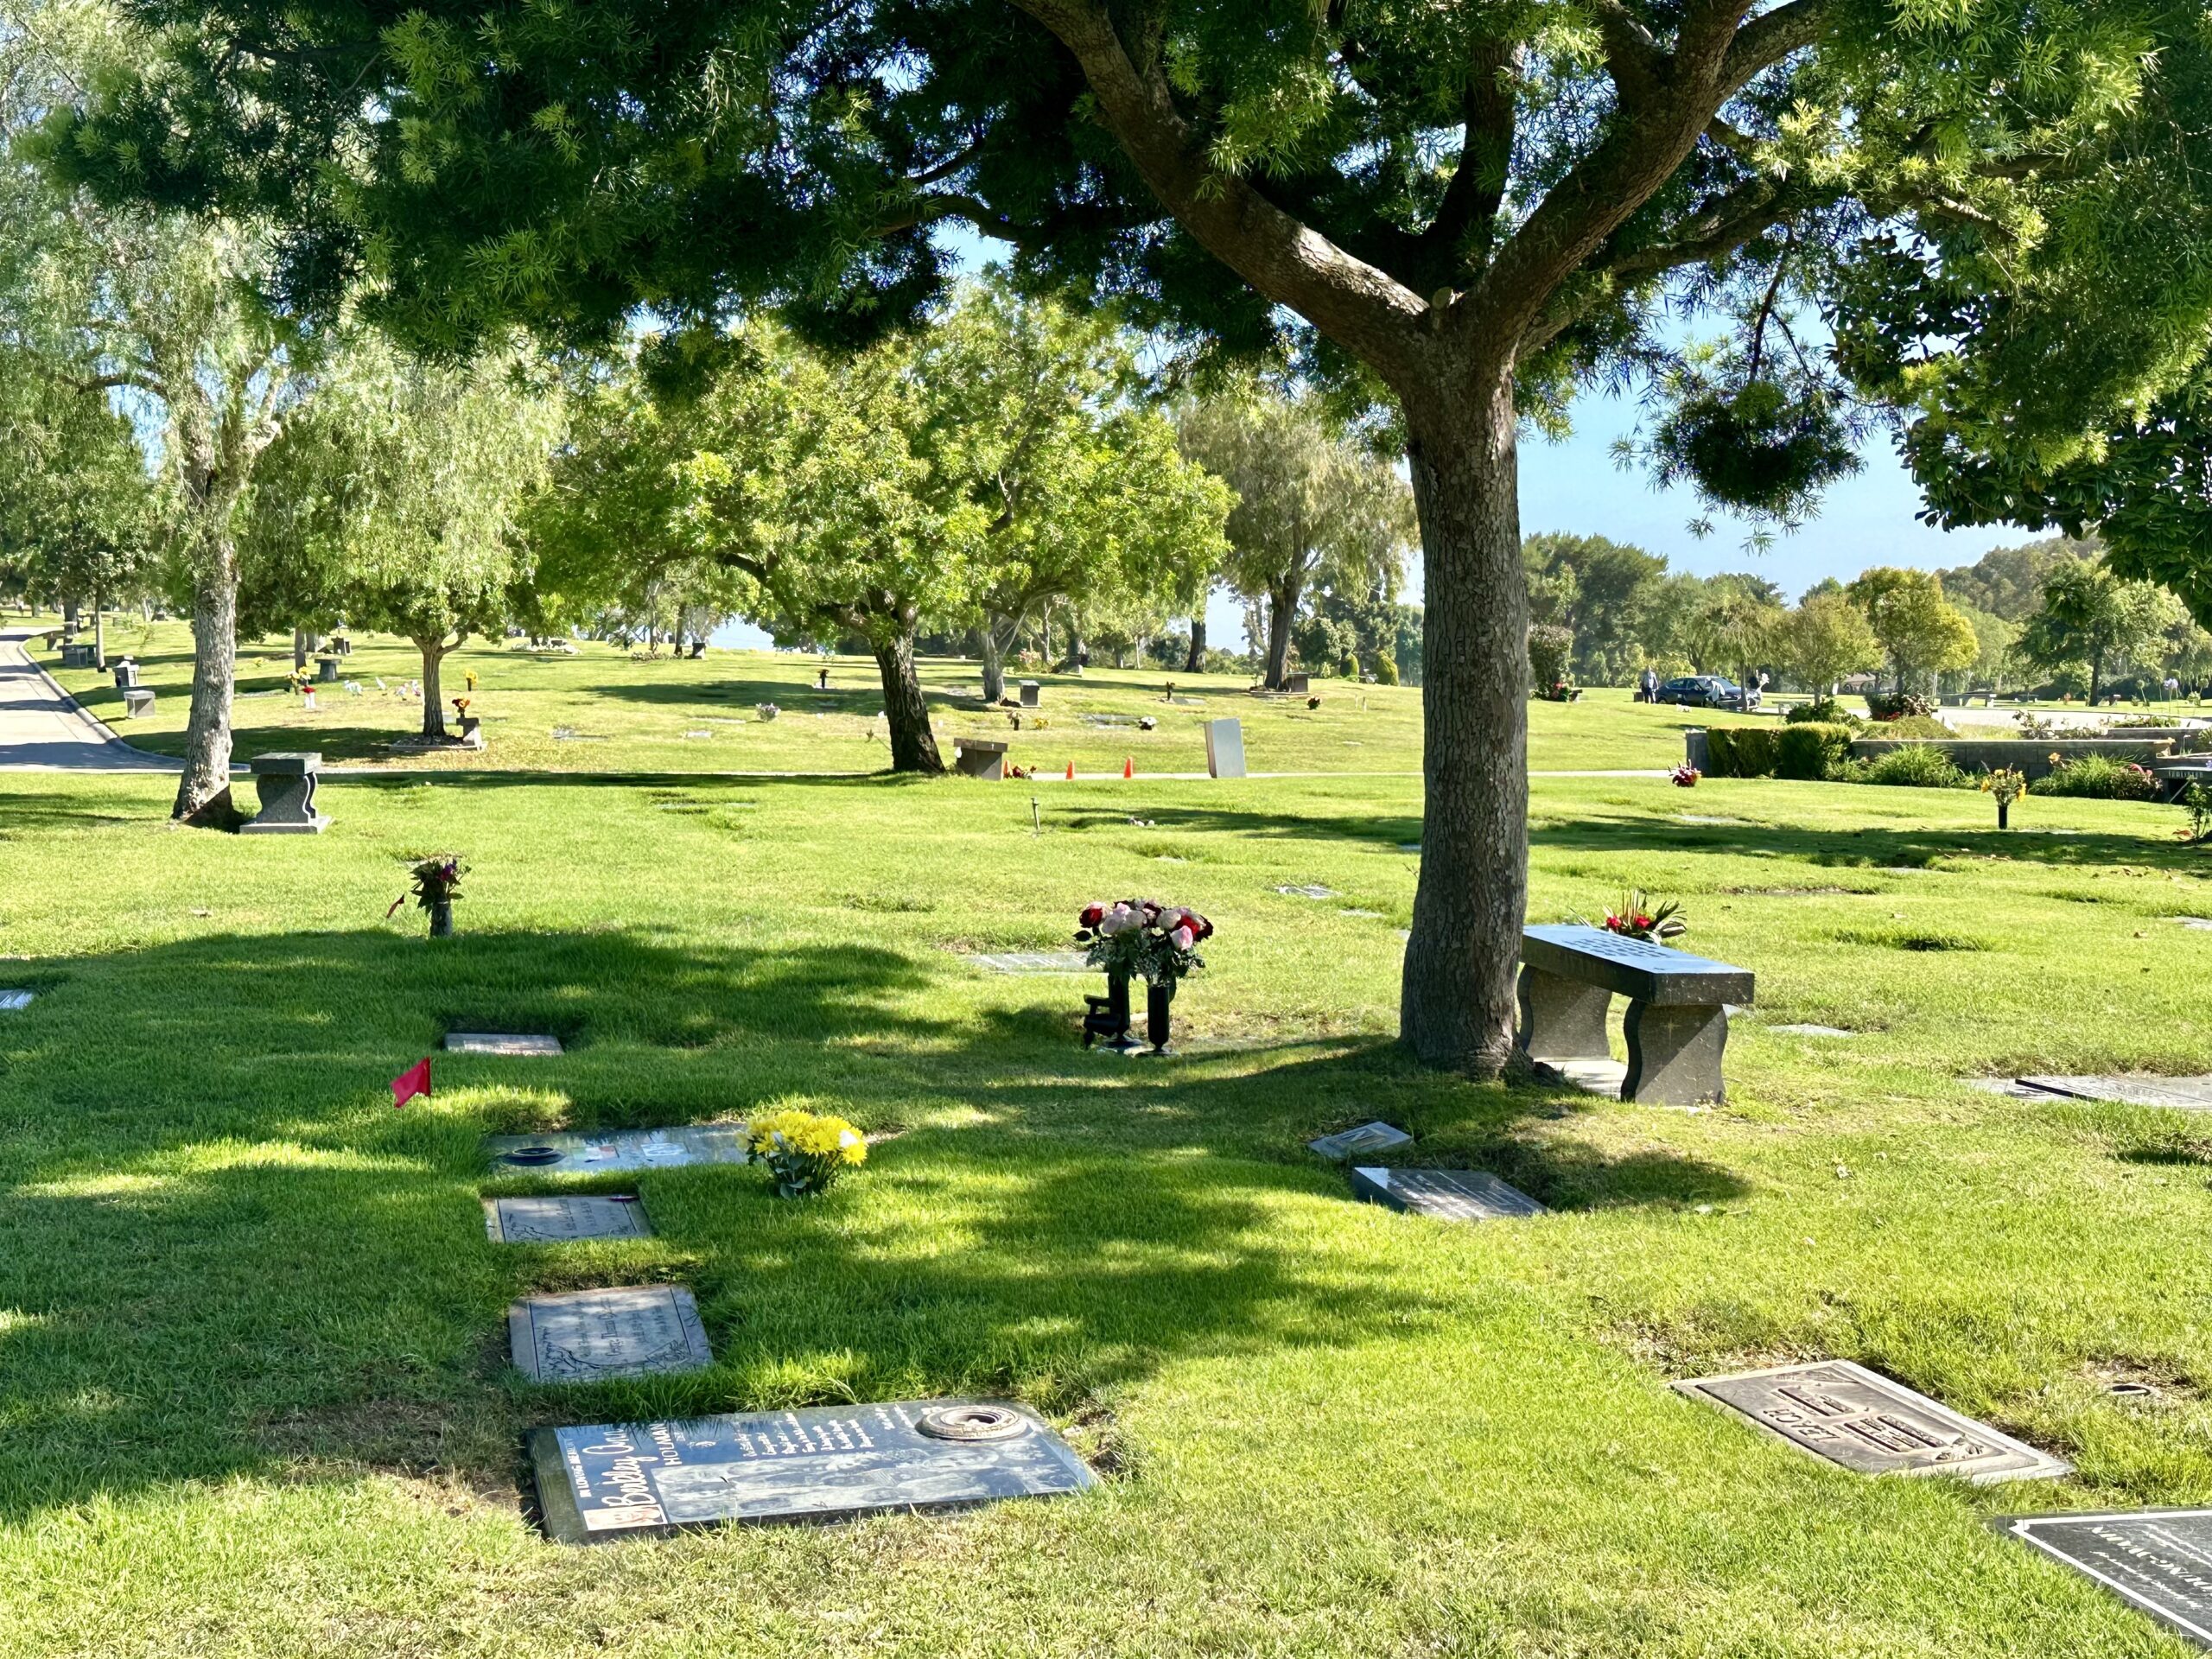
[[42, 729]]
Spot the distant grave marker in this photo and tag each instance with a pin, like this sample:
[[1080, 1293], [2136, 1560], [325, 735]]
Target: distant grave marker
[[494, 1042], [570, 1153], [564, 1220], [1377, 1136], [2159, 1562], [1313, 890], [1364, 915], [1446, 1194], [2203, 924], [1850, 1416], [1812, 1031], [819, 1464], [585, 1336], [14, 1001], [1033, 961], [1224, 748], [2189, 1094]]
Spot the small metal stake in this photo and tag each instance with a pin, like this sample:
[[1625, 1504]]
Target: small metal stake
[[1036, 823]]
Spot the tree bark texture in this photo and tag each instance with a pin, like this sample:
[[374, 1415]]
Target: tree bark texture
[[914, 747], [433, 706], [1283, 611], [203, 794], [100, 633], [1457, 996], [1196, 661], [987, 638]]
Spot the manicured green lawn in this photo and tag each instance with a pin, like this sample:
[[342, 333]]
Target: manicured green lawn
[[598, 711], [253, 1395]]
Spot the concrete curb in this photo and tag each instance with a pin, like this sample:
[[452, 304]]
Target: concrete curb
[[108, 733]]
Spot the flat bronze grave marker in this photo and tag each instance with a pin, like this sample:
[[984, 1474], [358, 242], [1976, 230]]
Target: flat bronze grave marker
[[1364, 1137], [2159, 1562], [563, 1220], [585, 1336], [494, 1042], [1446, 1194], [567, 1153], [818, 1464], [1851, 1416]]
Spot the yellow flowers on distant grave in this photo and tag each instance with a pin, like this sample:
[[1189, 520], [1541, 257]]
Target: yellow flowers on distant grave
[[806, 1151]]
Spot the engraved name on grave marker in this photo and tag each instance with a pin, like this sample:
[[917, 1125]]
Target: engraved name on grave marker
[[586, 1335], [563, 1220], [561, 1152], [497, 1042], [823, 1462], [2158, 1560], [1446, 1194], [1363, 1137], [1851, 1415]]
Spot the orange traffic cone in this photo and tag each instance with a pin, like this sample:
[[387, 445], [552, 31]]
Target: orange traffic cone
[[1128, 767], [1071, 772]]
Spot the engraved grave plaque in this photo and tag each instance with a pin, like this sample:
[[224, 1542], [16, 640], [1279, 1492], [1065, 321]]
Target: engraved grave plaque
[[566, 1153], [1033, 961], [584, 1335], [2189, 1094], [1850, 1415], [1364, 1137], [1309, 890], [492, 1042], [1446, 1194], [14, 1001], [2158, 1560], [561, 1220], [817, 1464]]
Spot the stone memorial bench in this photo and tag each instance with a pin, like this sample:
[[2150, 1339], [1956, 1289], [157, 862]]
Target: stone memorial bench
[[137, 704], [980, 757], [1677, 1022], [286, 783]]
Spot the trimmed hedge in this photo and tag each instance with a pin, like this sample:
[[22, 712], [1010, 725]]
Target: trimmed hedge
[[1803, 751], [1740, 751]]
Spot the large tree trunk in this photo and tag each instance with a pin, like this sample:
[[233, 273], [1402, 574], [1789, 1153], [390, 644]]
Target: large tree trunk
[[913, 748], [434, 707], [1457, 996], [1283, 611], [987, 638], [203, 794], [100, 633], [1195, 662], [299, 650]]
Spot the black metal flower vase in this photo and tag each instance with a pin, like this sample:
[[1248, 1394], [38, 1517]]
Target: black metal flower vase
[[441, 918], [1109, 1019], [1159, 1004], [2004, 815]]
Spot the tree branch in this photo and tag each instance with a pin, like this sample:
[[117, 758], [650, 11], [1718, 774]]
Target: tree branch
[[1770, 38]]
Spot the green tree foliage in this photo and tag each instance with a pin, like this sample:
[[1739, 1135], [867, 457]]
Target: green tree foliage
[[1824, 639], [1472, 207], [2007, 582], [1921, 633], [1039, 415], [1735, 625], [394, 501], [1602, 591], [1314, 504], [2092, 616]]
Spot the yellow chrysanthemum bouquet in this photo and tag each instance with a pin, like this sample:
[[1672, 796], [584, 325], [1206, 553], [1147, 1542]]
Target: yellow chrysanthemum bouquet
[[806, 1151]]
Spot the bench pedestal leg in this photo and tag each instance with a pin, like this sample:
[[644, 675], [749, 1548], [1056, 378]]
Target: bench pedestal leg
[[1674, 1055], [1561, 1019]]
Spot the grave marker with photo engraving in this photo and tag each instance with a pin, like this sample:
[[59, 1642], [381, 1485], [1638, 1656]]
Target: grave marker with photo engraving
[[585, 1336], [1851, 1416], [822, 1463]]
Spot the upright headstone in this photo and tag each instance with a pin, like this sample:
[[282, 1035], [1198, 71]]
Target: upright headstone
[[585, 1336], [1224, 748], [822, 1463], [286, 783], [1032, 695], [1853, 1416]]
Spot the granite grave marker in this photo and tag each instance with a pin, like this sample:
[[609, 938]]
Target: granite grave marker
[[14, 1001], [542, 1220], [1446, 1194], [563, 1152], [1851, 1416], [1377, 1136], [585, 1336], [2159, 1562], [1033, 961], [498, 1042], [821, 1463]]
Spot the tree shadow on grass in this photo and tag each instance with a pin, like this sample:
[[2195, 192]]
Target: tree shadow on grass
[[1860, 847], [223, 1253]]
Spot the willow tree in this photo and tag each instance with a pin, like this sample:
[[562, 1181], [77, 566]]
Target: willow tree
[[1466, 209]]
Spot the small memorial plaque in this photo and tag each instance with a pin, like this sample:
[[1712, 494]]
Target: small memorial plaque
[[584, 1335], [560, 1221], [819, 1464], [1033, 961], [2158, 1560], [14, 1001], [621, 1149], [2189, 1094], [491, 1042], [1366, 1137], [1848, 1414], [1446, 1194]]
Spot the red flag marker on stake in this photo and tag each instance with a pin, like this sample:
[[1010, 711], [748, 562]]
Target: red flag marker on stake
[[415, 1080]]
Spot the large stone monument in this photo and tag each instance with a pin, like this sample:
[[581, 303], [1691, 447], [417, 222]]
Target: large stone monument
[[286, 783], [1224, 748]]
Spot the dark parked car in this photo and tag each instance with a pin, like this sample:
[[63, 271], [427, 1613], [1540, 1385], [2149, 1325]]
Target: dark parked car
[[1706, 691]]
